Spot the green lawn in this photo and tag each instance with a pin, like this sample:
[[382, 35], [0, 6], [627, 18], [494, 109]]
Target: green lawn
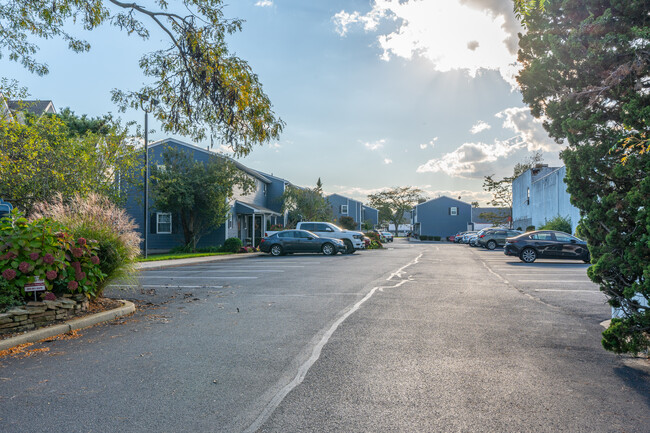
[[157, 257]]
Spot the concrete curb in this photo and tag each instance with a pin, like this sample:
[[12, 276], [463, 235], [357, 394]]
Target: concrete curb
[[164, 264], [71, 325]]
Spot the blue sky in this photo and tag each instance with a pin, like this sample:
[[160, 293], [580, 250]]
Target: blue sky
[[374, 93]]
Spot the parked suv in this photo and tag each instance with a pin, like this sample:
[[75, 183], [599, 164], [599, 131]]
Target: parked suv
[[493, 238]]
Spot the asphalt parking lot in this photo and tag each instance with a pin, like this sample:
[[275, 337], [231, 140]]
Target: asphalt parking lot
[[561, 283]]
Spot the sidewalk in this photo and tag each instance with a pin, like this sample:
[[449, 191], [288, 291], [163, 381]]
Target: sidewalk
[[106, 316], [163, 264]]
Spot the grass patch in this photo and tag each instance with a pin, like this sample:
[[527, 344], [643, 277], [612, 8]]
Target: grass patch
[[174, 256]]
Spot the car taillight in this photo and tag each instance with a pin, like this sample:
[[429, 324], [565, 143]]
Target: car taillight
[[262, 240], [482, 236]]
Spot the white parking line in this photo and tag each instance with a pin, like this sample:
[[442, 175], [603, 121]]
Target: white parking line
[[217, 271], [567, 290], [148, 277], [554, 281], [540, 274], [166, 286]]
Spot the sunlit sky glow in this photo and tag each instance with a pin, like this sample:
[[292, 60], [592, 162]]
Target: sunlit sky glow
[[375, 93]]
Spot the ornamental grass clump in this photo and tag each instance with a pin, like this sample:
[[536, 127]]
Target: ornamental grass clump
[[44, 250], [96, 217]]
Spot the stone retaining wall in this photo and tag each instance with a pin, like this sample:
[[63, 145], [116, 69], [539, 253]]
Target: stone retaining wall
[[38, 314]]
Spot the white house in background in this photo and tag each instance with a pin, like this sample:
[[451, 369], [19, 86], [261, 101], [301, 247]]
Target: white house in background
[[539, 195]]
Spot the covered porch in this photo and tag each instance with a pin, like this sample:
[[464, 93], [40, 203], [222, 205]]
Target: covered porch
[[253, 220]]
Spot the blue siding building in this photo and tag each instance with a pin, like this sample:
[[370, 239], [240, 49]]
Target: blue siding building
[[539, 195], [345, 206], [442, 216], [249, 214]]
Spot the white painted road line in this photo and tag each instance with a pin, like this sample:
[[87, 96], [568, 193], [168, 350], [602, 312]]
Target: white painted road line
[[217, 271], [567, 290], [529, 274], [554, 281], [148, 277], [160, 286]]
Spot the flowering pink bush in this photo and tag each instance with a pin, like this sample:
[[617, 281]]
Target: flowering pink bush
[[49, 296], [42, 249]]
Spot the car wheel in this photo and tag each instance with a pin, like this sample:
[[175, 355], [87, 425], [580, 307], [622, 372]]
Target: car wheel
[[491, 245], [349, 248], [528, 255], [328, 249], [276, 250]]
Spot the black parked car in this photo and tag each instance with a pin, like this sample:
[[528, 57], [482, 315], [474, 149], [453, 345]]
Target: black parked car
[[300, 241], [547, 244]]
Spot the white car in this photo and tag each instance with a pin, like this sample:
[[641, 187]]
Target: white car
[[353, 240]]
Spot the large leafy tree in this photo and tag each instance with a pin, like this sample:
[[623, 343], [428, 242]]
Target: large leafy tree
[[43, 157], [201, 87], [585, 71], [306, 204], [394, 203], [197, 192]]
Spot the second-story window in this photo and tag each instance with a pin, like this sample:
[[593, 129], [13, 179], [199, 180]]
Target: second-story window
[[453, 211], [344, 209]]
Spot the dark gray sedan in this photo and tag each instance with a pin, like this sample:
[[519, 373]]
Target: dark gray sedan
[[300, 241]]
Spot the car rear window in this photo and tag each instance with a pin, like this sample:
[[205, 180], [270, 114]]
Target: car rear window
[[542, 236]]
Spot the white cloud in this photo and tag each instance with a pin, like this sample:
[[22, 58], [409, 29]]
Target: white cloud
[[264, 3], [479, 127], [468, 35], [388, 161], [471, 160], [376, 145], [467, 196], [528, 129], [429, 144], [224, 149]]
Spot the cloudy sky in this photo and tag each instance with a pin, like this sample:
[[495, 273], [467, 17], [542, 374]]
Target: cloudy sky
[[375, 93]]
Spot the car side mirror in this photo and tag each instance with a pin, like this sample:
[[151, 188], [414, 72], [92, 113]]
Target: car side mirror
[[573, 241]]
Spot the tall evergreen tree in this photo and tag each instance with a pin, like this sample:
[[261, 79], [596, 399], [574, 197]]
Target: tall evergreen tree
[[586, 72]]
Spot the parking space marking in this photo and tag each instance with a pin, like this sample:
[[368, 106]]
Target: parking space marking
[[194, 278], [535, 274], [219, 271], [554, 281], [160, 286], [567, 290]]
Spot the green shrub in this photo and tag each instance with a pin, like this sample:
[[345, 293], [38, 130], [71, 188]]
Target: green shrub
[[436, 238], [530, 228], [10, 295], [559, 223], [375, 240], [232, 245], [347, 222], [44, 249], [179, 249], [95, 217]]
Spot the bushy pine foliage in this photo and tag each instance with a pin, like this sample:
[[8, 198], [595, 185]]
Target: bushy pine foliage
[[585, 70]]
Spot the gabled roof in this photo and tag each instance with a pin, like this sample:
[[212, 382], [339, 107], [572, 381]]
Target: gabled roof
[[442, 196], [36, 107], [238, 164]]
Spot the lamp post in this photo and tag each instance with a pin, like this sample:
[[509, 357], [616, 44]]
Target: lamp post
[[147, 106]]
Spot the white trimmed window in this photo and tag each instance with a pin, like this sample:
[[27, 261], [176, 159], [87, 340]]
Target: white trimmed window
[[453, 211], [164, 223], [344, 209]]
